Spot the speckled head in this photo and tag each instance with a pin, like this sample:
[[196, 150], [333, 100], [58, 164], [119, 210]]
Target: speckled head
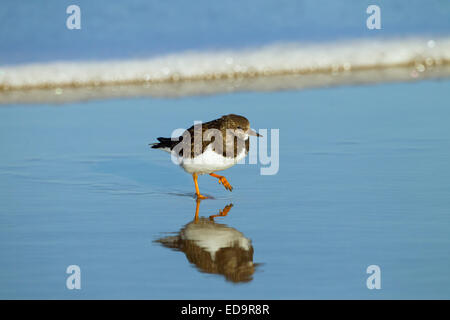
[[236, 122]]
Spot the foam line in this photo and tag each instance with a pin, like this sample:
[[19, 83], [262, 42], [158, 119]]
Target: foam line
[[227, 70]]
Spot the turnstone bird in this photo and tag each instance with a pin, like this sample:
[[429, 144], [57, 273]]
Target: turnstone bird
[[215, 248], [209, 147]]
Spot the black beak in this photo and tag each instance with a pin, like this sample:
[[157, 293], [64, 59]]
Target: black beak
[[253, 133]]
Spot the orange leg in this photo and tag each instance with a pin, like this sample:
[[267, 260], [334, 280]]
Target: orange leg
[[196, 210], [223, 181], [197, 191], [222, 213]]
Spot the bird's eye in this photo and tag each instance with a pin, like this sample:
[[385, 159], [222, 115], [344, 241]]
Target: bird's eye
[[239, 127]]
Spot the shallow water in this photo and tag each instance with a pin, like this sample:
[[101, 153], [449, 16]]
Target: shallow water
[[363, 180]]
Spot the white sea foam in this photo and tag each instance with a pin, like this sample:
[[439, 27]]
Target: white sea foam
[[229, 70]]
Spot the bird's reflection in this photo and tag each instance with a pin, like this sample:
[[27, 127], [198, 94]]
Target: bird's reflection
[[214, 247]]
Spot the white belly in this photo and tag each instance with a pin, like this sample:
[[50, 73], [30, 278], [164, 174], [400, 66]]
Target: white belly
[[209, 161], [213, 237]]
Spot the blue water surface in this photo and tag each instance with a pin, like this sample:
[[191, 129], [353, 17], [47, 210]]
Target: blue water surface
[[33, 31], [363, 180]]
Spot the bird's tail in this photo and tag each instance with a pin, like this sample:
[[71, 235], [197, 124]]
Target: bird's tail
[[164, 143]]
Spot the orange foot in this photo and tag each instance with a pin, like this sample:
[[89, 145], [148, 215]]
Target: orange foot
[[223, 181], [222, 213]]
